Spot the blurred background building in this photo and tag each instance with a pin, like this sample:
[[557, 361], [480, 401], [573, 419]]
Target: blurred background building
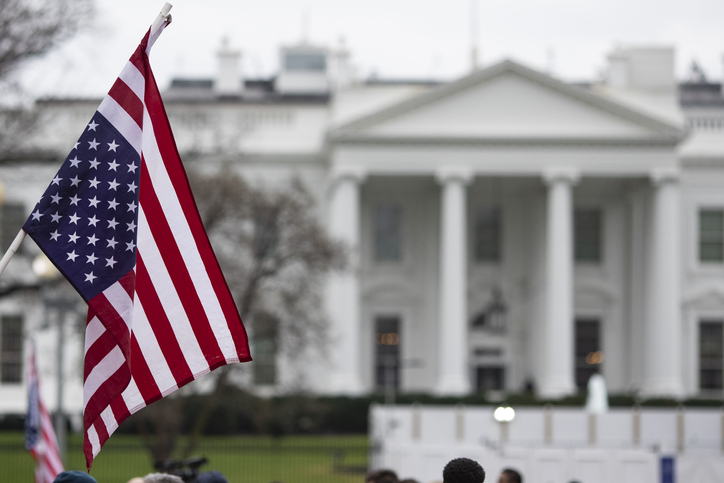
[[511, 232]]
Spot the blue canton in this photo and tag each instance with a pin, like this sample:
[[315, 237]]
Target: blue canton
[[86, 222]]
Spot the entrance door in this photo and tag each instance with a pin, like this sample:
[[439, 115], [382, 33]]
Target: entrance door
[[387, 352]]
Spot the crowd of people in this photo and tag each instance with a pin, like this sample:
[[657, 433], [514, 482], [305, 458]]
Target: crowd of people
[[458, 470]]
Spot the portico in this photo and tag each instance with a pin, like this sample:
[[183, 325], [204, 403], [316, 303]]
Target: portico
[[422, 161]]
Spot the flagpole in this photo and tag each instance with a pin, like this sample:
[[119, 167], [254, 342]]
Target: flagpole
[[11, 250]]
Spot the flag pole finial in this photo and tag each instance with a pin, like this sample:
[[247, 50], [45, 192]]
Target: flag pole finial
[[163, 16]]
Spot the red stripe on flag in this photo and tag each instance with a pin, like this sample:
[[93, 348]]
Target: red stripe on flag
[[161, 326], [128, 100], [174, 167], [96, 352], [140, 59], [120, 409], [142, 375], [100, 426], [128, 282], [176, 266], [110, 389], [112, 321]]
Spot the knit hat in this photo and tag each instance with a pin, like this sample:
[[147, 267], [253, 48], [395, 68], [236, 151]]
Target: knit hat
[[74, 477]]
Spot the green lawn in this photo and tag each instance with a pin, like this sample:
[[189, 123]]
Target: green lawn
[[242, 459]]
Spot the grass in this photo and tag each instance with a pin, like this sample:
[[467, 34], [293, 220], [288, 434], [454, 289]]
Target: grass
[[242, 459]]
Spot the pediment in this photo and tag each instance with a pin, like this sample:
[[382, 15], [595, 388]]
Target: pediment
[[509, 101]]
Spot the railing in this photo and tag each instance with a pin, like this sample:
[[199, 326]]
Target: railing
[[705, 124]]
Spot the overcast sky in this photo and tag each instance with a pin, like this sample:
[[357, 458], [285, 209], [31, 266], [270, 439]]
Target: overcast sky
[[392, 38]]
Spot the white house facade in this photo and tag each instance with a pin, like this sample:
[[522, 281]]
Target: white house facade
[[510, 231]]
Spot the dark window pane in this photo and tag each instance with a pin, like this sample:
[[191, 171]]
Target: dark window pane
[[711, 354], [305, 62], [11, 349], [12, 217], [711, 235], [490, 378], [588, 354], [387, 352], [487, 233], [388, 233], [587, 234], [265, 344]]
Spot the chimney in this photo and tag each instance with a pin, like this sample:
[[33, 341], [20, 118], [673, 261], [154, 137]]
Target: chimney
[[340, 70], [722, 82], [229, 80], [642, 68]]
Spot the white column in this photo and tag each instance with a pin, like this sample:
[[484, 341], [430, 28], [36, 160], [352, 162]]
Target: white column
[[453, 375], [557, 375], [343, 293], [662, 350]]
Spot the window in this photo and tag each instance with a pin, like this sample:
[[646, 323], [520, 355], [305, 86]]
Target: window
[[387, 352], [11, 349], [305, 62], [12, 217], [711, 354], [490, 378], [487, 233], [265, 343], [587, 234], [711, 235], [588, 354], [388, 233]]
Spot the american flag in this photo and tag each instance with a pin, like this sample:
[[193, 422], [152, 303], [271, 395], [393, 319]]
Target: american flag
[[120, 222], [39, 435]]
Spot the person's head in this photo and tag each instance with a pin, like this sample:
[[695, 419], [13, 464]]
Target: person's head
[[382, 476], [74, 477], [463, 470], [509, 475], [212, 476], [162, 478]]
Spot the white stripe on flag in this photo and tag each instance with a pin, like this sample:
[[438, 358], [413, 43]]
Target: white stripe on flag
[[120, 119], [156, 268], [121, 302], [132, 397], [93, 331], [102, 371], [109, 419], [93, 439], [151, 350], [133, 78]]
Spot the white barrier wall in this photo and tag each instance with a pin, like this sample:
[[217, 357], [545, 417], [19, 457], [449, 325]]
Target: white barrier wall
[[552, 445]]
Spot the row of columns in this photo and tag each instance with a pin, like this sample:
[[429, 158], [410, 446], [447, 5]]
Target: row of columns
[[662, 370]]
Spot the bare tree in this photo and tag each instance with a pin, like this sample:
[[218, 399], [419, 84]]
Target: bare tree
[[30, 29], [275, 255]]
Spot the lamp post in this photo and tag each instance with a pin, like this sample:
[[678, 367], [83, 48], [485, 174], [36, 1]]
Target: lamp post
[[46, 271]]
